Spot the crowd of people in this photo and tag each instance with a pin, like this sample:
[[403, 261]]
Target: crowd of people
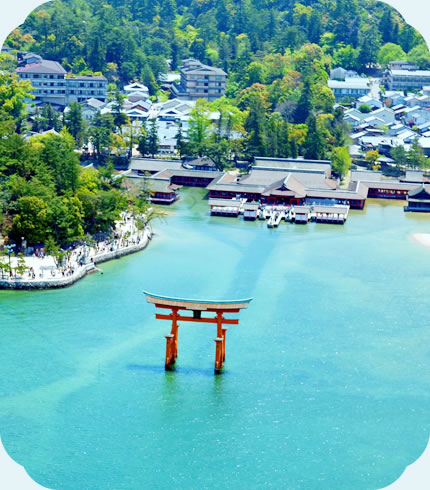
[[41, 266]]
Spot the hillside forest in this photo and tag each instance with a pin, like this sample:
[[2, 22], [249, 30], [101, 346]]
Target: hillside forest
[[277, 55]]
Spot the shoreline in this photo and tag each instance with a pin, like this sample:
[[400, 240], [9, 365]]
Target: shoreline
[[421, 238], [87, 268]]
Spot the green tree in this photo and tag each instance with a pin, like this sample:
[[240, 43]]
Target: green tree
[[400, 155], [49, 119], [365, 108], [390, 52], [408, 38], [341, 161], [322, 98], [149, 79], [8, 62], [54, 250], [387, 26], [100, 134], [180, 142], [255, 101], [142, 145], [198, 129], [13, 94], [97, 53], [21, 265], [304, 105], [277, 141], [416, 156], [119, 116], [74, 122], [315, 28], [315, 143], [57, 152], [347, 57], [369, 44], [420, 55], [153, 142], [255, 73], [372, 157], [65, 217], [4, 262], [118, 145], [30, 220]]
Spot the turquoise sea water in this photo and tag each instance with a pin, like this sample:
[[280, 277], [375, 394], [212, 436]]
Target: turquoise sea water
[[326, 378]]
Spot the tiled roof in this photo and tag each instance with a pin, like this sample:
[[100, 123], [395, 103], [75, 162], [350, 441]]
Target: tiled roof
[[224, 202], [160, 185], [45, 67], [89, 78], [209, 174], [410, 73], [422, 191], [195, 67], [390, 185], [413, 176], [151, 165], [368, 175], [292, 163]]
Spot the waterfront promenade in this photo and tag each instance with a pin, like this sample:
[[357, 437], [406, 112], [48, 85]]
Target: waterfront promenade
[[44, 273]]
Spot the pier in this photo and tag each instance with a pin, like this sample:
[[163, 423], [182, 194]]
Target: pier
[[274, 214]]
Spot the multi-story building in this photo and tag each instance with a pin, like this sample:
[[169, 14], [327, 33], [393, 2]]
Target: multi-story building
[[51, 85], [200, 81], [82, 88], [48, 80], [406, 79], [353, 88], [402, 65]]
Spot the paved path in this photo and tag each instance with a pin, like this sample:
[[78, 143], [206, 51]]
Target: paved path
[[44, 268]]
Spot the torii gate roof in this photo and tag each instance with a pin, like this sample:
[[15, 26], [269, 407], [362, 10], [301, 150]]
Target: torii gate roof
[[197, 304]]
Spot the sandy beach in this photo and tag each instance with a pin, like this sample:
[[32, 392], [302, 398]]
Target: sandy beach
[[421, 238]]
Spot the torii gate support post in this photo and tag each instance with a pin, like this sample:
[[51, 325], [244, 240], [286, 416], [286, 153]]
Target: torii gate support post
[[224, 332], [219, 340], [220, 343], [172, 342]]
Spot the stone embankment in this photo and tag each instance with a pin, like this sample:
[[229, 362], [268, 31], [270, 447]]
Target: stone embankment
[[79, 271]]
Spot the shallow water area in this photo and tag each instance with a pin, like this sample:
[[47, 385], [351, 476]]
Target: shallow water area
[[325, 383]]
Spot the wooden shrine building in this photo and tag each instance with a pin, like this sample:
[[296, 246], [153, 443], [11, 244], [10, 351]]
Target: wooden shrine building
[[203, 311], [419, 199]]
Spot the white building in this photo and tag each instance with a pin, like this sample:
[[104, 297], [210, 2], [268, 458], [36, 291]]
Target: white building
[[342, 74], [51, 86], [387, 115], [199, 81], [406, 79], [136, 91], [370, 101], [350, 88]]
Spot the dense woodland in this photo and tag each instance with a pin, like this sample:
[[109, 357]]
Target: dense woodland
[[277, 55], [127, 39], [45, 194]]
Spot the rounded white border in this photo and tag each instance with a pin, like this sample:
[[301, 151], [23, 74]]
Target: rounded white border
[[12, 475], [417, 475]]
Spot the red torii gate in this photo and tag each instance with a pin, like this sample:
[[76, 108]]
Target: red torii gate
[[177, 305]]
